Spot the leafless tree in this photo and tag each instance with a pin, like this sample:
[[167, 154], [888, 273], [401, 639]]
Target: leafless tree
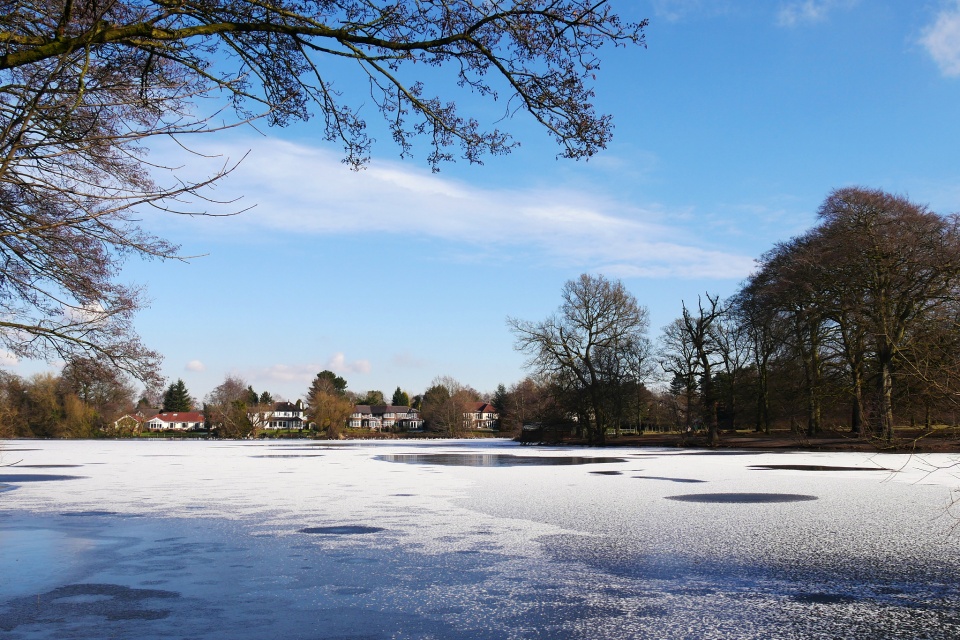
[[699, 330], [678, 358], [901, 259], [226, 409], [446, 405], [586, 343], [86, 88]]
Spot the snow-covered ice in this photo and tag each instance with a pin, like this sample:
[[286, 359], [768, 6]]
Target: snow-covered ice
[[472, 539]]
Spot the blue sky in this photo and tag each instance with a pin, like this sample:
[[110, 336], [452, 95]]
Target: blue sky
[[731, 127]]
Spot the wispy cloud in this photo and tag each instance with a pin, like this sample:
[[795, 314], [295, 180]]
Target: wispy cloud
[[678, 10], [287, 373], [338, 364], [407, 360], [306, 190], [8, 359], [306, 372], [196, 366], [942, 40], [804, 12]]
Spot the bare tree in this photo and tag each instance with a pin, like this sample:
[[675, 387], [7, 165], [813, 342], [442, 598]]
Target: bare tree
[[734, 348], [226, 409], [678, 357], [901, 260], [86, 88], [699, 330], [446, 405], [100, 388], [585, 342]]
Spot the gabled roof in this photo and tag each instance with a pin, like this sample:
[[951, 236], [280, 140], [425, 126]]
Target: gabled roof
[[133, 416], [379, 409], [179, 416], [286, 406], [482, 407]]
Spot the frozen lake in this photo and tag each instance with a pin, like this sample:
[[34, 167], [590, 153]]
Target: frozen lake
[[471, 539]]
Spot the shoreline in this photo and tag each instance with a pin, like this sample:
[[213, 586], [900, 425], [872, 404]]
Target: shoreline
[[907, 441]]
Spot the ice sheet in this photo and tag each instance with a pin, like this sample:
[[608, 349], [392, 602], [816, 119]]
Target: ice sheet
[[206, 539]]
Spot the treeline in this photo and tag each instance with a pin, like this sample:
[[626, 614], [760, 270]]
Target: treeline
[[851, 325], [81, 402]]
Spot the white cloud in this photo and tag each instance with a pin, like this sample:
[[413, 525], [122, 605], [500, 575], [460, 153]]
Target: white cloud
[[942, 40], [305, 190], [195, 365], [85, 314], [8, 359], [801, 12], [338, 364], [407, 360], [288, 373], [677, 10], [305, 373]]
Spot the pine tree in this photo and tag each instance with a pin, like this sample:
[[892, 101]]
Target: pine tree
[[500, 399], [177, 398], [400, 398]]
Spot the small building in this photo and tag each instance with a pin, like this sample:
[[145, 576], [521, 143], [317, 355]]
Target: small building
[[176, 421]]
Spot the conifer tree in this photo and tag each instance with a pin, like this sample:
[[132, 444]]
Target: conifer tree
[[400, 398], [177, 398]]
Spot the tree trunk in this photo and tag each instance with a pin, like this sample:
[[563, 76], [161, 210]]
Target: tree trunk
[[885, 384], [710, 405], [856, 417]]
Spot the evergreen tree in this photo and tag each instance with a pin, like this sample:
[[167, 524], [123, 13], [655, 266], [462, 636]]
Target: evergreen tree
[[177, 398], [266, 398], [328, 382], [500, 399], [400, 398], [251, 397]]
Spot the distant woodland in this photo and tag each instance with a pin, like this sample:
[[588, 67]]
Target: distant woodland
[[851, 326]]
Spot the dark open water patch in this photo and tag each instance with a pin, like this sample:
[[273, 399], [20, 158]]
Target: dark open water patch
[[34, 477], [824, 598], [742, 498], [110, 601], [492, 459], [93, 513], [718, 453], [290, 455], [342, 530], [814, 467], [47, 466], [690, 480], [607, 473]]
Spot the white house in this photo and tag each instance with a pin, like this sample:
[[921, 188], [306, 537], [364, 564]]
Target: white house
[[280, 415], [176, 421], [481, 415]]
